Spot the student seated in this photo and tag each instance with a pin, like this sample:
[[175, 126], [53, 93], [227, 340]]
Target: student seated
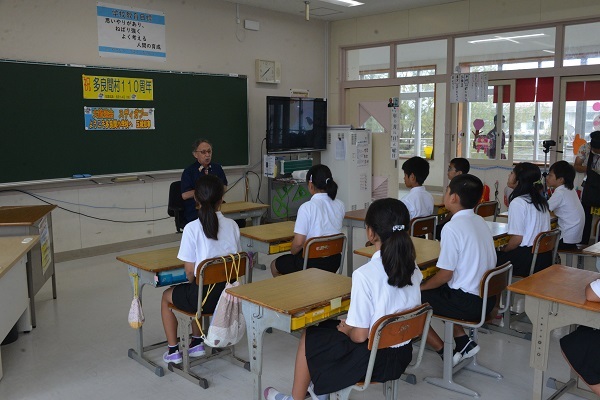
[[581, 348], [418, 200], [466, 254], [457, 166], [210, 235], [566, 205], [334, 354], [528, 215], [322, 215]]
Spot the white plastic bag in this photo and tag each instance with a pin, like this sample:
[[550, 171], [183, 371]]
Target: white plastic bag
[[136, 314]]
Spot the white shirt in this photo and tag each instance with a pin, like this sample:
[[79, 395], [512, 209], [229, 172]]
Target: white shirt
[[525, 220], [372, 297], [196, 247], [594, 285], [567, 207], [419, 202], [467, 249], [320, 216]]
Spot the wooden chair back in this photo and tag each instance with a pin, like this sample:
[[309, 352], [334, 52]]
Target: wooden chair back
[[394, 329], [487, 209], [421, 226], [324, 246], [212, 270], [543, 243]]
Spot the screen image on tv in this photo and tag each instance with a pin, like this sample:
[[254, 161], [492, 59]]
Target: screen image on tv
[[296, 124]]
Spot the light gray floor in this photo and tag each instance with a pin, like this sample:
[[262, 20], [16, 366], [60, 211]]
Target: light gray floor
[[79, 350]]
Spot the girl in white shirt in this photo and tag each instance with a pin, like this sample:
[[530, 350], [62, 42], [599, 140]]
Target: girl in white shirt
[[565, 204], [528, 215], [210, 235], [334, 354], [322, 215]]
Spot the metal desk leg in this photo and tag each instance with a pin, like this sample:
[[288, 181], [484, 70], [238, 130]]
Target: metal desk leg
[[256, 220], [255, 326], [54, 284], [350, 252], [137, 354], [538, 312], [30, 289]]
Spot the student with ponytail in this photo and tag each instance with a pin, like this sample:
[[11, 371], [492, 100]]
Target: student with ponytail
[[334, 354], [322, 215], [209, 235], [528, 215]]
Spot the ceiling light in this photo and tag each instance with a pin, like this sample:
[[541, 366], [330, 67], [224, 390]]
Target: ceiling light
[[507, 38], [345, 3]]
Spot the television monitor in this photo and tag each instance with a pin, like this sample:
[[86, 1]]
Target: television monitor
[[296, 124]]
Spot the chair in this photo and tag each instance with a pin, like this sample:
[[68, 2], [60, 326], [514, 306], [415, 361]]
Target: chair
[[209, 271], [487, 209], [493, 283], [388, 331], [544, 242], [422, 226], [325, 246], [175, 207]]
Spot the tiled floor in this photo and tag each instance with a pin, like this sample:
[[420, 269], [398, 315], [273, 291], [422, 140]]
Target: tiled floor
[[79, 351]]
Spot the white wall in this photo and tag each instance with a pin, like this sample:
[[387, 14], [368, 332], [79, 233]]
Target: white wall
[[202, 36]]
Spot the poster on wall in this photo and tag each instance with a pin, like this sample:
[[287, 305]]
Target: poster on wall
[[394, 132], [125, 32], [112, 118], [469, 87], [117, 88]]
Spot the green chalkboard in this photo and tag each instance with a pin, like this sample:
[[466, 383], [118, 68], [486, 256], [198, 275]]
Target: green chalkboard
[[43, 129]]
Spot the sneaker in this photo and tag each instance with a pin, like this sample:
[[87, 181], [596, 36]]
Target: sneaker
[[273, 394], [197, 350], [174, 358], [470, 349]]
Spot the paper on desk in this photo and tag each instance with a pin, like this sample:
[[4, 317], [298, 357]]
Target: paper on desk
[[336, 303]]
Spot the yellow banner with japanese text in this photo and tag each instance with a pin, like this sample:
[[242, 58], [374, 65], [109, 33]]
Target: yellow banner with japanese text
[[117, 88]]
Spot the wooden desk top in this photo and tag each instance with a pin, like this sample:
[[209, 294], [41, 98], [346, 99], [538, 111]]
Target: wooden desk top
[[23, 215], [499, 229], [270, 233], [427, 251], [358, 215], [296, 292], [12, 249], [241, 206], [593, 250], [154, 260], [561, 284]]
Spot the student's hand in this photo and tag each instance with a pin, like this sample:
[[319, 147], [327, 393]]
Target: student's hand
[[343, 327]]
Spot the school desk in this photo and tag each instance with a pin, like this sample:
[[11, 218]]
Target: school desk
[[266, 239], [427, 251], [352, 219], [289, 303], [33, 220], [14, 299], [555, 297], [243, 210], [156, 268]]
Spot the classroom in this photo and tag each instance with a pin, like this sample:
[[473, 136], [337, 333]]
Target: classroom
[[355, 59]]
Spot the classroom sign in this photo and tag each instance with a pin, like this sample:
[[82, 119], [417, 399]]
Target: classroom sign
[[117, 88], [109, 119], [125, 32]]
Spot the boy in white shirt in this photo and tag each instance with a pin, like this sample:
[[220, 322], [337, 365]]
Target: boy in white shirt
[[467, 253], [418, 201], [565, 204]]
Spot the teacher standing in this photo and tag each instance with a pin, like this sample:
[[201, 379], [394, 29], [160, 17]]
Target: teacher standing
[[588, 162], [202, 152]]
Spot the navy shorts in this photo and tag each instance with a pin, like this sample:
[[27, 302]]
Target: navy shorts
[[456, 304]]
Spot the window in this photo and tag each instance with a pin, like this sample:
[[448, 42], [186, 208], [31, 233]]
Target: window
[[369, 63], [581, 115], [582, 44], [417, 120]]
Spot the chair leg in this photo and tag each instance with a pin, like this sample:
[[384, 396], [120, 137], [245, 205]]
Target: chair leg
[[474, 366], [446, 381]]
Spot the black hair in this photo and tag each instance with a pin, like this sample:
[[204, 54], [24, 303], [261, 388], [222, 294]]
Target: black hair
[[389, 219], [461, 164], [417, 166], [320, 176], [198, 142], [529, 183], [208, 193], [468, 188], [564, 170]]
